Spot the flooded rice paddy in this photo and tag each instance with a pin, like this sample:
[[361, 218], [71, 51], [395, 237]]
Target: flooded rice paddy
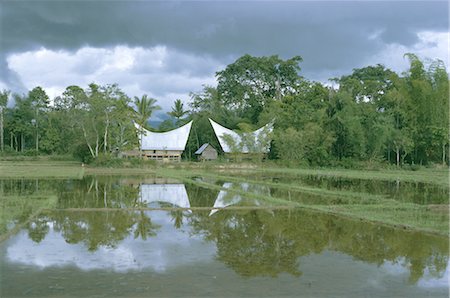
[[206, 236]]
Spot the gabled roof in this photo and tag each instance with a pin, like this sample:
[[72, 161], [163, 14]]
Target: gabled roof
[[175, 139], [221, 131], [201, 149]]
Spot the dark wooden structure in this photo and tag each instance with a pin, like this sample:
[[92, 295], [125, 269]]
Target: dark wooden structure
[[206, 152]]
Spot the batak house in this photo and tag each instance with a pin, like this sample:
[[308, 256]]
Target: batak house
[[164, 146]]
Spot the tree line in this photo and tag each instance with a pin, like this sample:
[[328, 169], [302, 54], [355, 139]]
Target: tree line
[[372, 114]]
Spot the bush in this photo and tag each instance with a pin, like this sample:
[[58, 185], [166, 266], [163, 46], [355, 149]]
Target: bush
[[30, 152], [415, 167], [82, 153], [107, 160]]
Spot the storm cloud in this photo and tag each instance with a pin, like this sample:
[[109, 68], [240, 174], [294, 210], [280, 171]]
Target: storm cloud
[[199, 38]]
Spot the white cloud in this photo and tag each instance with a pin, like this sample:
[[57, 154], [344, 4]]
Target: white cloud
[[157, 71], [431, 45], [172, 248]]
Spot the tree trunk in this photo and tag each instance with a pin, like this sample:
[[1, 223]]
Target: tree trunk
[[87, 142], [22, 142], [96, 139], [1, 129], [397, 151], [37, 131], [140, 145], [443, 154], [105, 142]]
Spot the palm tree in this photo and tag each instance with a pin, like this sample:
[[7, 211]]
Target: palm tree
[[145, 106], [178, 110]]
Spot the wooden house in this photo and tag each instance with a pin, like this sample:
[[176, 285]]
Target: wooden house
[[206, 152], [163, 146]]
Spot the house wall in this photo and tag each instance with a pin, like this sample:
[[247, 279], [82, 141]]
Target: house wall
[[163, 155], [208, 154]]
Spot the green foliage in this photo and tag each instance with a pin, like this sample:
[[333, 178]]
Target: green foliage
[[289, 144], [81, 152], [250, 83], [375, 116], [178, 110], [107, 160]]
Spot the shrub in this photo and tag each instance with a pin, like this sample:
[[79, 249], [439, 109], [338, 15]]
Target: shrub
[[107, 160], [82, 153]]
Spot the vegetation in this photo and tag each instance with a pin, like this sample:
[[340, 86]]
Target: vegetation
[[373, 115], [395, 124]]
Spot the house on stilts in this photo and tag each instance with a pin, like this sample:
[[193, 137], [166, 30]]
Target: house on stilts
[[163, 146]]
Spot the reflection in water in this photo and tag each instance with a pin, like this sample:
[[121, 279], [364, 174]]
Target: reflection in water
[[415, 192], [111, 241], [173, 194], [258, 245], [226, 198], [251, 242]]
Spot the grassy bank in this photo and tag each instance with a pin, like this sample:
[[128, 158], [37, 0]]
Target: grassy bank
[[41, 169], [72, 169]]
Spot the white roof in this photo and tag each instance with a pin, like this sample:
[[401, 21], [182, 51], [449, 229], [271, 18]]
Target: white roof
[[220, 131], [174, 194], [175, 139]]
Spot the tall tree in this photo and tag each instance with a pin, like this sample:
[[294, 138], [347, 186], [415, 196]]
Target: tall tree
[[3, 101], [251, 83], [178, 110], [39, 100], [145, 106]]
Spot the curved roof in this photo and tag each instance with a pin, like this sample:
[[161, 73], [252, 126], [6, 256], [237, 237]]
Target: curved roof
[[221, 131], [175, 139], [174, 194]]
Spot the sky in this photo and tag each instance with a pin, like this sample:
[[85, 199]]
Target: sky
[[169, 49]]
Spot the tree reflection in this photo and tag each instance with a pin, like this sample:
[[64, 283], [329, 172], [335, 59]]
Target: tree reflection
[[251, 242], [258, 242], [145, 228]]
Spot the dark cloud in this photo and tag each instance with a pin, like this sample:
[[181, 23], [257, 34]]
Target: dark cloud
[[328, 35]]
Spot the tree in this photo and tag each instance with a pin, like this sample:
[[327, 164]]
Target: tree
[[178, 110], [3, 101], [289, 145], [101, 116], [251, 83], [368, 84], [344, 122], [21, 122], [39, 100], [145, 106]]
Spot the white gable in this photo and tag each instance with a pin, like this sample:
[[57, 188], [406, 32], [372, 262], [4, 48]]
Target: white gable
[[171, 140], [221, 131]]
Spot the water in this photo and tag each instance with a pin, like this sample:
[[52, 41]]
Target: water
[[87, 239], [412, 192]]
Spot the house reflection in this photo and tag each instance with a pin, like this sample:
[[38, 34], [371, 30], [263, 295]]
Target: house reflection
[[158, 195], [227, 198]]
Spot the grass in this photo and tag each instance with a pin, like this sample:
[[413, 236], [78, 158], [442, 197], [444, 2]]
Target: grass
[[434, 176], [41, 169], [406, 216]]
